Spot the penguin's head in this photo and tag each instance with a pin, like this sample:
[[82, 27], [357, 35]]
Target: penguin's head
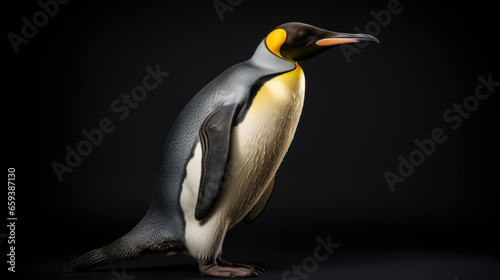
[[297, 41]]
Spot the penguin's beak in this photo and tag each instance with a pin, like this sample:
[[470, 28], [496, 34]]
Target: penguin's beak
[[344, 38]]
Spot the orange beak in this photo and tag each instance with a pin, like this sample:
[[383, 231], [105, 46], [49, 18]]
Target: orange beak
[[345, 38]]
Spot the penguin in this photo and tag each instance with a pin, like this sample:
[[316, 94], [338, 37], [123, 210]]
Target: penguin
[[220, 157]]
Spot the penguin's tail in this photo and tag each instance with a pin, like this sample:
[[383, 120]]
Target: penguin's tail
[[139, 241]]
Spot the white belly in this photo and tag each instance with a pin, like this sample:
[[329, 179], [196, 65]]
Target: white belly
[[258, 146]]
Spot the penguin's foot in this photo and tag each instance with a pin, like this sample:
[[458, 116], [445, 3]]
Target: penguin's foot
[[249, 266], [223, 268]]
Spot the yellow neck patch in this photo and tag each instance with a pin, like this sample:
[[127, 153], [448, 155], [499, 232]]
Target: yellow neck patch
[[275, 40]]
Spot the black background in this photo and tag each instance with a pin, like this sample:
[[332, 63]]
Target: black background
[[358, 117]]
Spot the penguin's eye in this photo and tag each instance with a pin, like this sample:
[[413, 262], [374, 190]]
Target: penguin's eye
[[304, 36]]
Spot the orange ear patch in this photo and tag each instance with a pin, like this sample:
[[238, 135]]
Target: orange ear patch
[[275, 40]]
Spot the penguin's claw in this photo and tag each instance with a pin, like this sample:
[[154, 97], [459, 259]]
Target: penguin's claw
[[255, 273], [259, 269]]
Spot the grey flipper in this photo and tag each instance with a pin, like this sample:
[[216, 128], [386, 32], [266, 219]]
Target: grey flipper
[[261, 204], [215, 139]]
